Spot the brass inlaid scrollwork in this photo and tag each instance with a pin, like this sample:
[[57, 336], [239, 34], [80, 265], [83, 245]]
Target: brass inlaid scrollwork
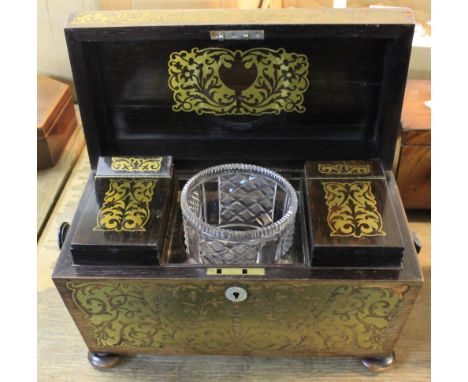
[[344, 168], [352, 209], [275, 318], [124, 17], [136, 164], [221, 81], [126, 205], [186, 17]]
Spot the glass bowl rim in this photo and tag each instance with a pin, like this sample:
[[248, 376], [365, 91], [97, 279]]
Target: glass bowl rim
[[232, 235]]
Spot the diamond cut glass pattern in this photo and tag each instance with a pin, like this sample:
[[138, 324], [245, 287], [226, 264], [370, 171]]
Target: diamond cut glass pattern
[[238, 214]]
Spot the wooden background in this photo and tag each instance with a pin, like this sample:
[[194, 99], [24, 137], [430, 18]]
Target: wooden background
[[52, 15]]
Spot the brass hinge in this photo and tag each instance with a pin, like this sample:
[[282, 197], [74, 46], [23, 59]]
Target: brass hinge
[[235, 272], [237, 35]]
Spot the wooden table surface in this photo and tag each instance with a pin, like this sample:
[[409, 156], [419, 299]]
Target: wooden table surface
[[62, 353]]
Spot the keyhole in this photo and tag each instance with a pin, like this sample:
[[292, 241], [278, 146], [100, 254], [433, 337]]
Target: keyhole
[[236, 294]]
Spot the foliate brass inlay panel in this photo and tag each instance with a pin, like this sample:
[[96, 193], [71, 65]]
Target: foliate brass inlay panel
[[352, 209], [126, 205], [274, 319], [224, 82], [119, 17], [344, 169], [136, 164], [187, 17]]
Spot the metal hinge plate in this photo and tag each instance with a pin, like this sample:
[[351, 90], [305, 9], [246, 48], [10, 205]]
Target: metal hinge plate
[[235, 271], [237, 35]]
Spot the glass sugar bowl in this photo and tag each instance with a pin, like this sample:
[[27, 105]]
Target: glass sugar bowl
[[238, 214]]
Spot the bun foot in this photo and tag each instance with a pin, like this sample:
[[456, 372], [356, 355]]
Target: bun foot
[[379, 364], [103, 360]]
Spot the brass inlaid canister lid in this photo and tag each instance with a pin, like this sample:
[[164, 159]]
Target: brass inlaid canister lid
[[351, 216], [134, 166]]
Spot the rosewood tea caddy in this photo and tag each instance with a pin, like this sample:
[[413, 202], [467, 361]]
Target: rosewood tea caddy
[[314, 95]]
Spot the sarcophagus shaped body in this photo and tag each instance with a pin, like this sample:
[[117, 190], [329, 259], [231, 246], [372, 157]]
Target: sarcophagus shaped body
[[314, 95]]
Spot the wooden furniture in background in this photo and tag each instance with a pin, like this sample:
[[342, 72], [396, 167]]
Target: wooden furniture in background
[[56, 120], [50, 181], [414, 166]]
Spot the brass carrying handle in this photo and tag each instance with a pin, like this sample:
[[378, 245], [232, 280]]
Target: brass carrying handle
[[62, 233], [416, 242]]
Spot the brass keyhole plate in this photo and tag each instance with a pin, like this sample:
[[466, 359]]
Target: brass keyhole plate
[[236, 294]]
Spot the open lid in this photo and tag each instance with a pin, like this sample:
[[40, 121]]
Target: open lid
[[225, 85]]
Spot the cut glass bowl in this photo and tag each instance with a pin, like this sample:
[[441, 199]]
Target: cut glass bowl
[[238, 214]]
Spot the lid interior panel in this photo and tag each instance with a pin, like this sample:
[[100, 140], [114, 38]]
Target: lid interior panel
[[351, 105]]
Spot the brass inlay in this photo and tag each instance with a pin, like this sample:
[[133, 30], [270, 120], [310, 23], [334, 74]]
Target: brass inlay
[[126, 205], [235, 271], [241, 17], [119, 17], [352, 209], [136, 164], [221, 81], [195, 317], [344, 168]]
